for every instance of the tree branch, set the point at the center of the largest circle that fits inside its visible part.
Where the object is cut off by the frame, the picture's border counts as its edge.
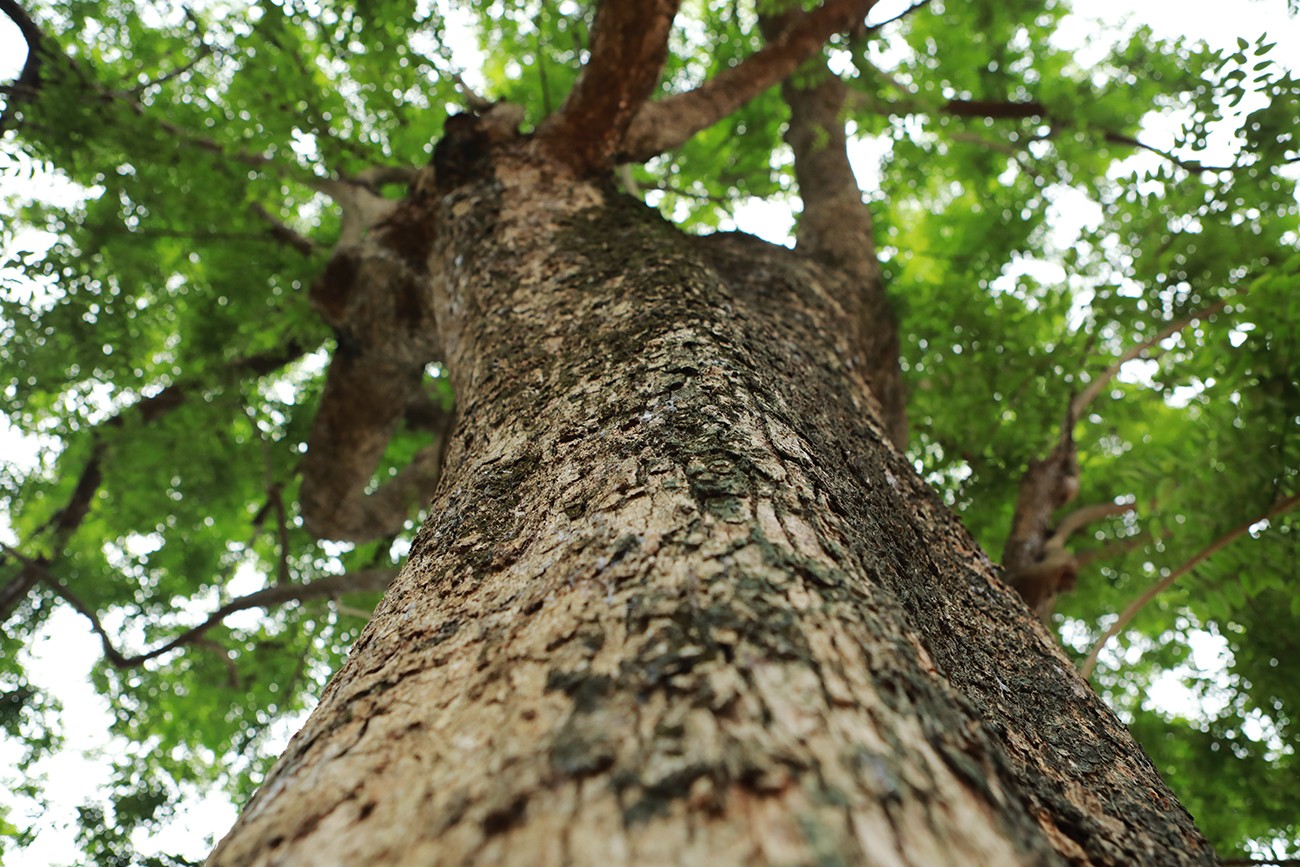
(835, 225)
(367, 580)
(1085, 397)
(664, 125)
(66, 521)
(900, 16)
(1082, 517)
(629, 44)
(1025, 110)
(365, 398)
(28, 81)
(282, 233)
(204, 51)
(1127, 615)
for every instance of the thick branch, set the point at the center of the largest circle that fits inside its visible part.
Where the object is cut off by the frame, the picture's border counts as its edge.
(366, 581)
(364, 400)
(629, 44)
(1127, 615)
(835, 225)
(664, 125)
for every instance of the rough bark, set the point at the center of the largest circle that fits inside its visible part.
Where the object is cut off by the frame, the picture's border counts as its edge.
(835, 226)
(679, 600)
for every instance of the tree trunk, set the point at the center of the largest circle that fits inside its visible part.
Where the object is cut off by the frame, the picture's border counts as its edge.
(679, 601)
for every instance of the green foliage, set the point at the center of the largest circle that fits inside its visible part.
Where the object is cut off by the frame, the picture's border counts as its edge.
(155, 331)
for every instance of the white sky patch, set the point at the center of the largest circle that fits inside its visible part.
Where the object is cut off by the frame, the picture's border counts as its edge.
(59, 661)
(771, 221)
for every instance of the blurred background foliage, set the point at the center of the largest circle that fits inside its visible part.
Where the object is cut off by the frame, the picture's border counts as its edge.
(1043, 205)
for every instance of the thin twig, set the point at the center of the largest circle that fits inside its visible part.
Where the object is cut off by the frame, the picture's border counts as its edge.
(367, 580)
(1154, 590)
(1085, 397)
(202, 54)
(1085, 515)
(901, 15)
(1114, 549)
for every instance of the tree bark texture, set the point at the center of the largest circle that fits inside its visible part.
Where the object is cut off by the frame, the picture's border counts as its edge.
(679, 600)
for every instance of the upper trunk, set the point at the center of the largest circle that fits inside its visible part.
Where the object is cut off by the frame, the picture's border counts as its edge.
(679, 600)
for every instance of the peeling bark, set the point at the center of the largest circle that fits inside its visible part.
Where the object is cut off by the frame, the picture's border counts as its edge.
(679, 601)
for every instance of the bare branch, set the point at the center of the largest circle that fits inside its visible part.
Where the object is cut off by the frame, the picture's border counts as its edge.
(1114, 549)
(1082, 517)
(664, 125)
(629, 44)
(1131, 611)
(1085, 397)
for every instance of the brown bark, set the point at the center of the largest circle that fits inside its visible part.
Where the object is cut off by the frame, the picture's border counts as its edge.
(373, 293)
(679, 601)
(835, 225)
(664, 125)
(628, 48)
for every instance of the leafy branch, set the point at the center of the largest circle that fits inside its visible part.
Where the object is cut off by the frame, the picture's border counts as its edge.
(1089, 394)
(915, 102)
(365, 581)
(1036, 559)
(1127, 615)
(67, 520)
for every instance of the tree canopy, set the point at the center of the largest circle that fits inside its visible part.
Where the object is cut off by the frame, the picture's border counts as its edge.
(1091, 248)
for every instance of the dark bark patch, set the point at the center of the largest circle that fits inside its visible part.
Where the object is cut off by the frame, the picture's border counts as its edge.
(587, 690)
(655, 798)
(503, 818)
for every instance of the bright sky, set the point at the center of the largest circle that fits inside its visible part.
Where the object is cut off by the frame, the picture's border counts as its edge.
(63, 658)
